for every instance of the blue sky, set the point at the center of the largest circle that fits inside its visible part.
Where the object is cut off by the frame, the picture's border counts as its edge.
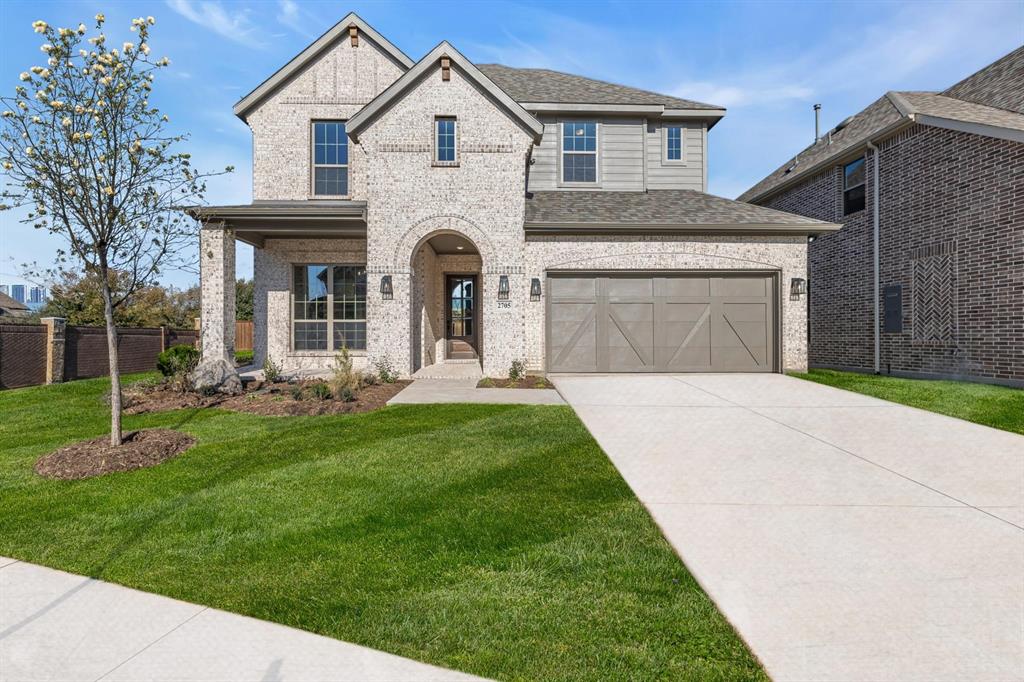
(767, 62)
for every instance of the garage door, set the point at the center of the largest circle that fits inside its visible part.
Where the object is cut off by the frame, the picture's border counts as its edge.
(647, 322)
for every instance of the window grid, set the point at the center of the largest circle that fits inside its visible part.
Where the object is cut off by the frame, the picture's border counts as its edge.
(330, 158)
(674, 143)
(329, 297)
(444, 140)
(579, 151)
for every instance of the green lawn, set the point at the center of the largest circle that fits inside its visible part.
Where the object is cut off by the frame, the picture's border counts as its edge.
(996, 406)
(497, 540)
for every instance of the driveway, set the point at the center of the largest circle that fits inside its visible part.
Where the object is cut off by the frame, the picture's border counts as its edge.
(845, 537)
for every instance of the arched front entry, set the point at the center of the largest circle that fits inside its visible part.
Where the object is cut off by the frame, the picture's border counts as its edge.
(447, 321)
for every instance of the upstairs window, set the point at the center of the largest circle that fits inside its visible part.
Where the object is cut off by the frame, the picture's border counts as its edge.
(330, 159)
(579, 151)
(853, 187)
(328, 307)
(444, 140)
(673, 143)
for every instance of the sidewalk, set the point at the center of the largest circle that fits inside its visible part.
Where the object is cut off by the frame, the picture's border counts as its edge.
(56, 626)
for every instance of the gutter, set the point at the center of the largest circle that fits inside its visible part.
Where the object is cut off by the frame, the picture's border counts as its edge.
(540, 228)
(875, 202)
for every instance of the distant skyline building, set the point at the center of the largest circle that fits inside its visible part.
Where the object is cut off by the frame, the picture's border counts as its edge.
(18, 292)
(37, 295)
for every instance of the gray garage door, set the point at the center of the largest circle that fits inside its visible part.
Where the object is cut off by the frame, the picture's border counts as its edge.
(647, 322)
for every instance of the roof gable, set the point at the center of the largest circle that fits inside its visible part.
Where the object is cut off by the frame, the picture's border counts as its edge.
(313, 51)
(407, 81)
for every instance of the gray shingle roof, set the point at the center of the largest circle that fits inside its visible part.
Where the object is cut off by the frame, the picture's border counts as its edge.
(544, 85)
(989, 97)
(664, 208)
(10, 306)
(1000, 85)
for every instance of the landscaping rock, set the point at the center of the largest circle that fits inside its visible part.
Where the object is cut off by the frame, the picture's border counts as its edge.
(217, 375)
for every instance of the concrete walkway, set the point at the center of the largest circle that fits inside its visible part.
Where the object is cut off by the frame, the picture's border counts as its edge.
(423, 391)
(846, 538)
(59, 627)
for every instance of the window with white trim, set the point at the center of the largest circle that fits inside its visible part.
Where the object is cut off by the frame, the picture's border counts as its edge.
(329, 307)
(579, 151)
(445, 146)
(674, 144)
(330, 159)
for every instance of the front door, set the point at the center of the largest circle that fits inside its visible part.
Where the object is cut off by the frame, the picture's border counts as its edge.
(461, 319)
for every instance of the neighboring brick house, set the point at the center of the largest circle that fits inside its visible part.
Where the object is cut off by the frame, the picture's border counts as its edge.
(950, 202)
(444, 212)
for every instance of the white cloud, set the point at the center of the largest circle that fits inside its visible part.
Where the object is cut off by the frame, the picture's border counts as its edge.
(737, 95)
(297, 19)
(211, 15)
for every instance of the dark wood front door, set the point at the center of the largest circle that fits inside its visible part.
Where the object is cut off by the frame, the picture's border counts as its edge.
(461, 319)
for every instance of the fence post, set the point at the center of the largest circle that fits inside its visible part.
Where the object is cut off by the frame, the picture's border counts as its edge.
(163, 338)
(56, 328)
(197, 323)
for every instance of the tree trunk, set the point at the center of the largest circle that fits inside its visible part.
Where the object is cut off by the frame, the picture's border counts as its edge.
(115, 372)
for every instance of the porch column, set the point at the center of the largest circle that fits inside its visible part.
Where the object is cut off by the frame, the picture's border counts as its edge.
(217, 282)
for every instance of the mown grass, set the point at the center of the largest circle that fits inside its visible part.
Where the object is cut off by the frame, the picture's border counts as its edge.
(497, 540)
(996, 406)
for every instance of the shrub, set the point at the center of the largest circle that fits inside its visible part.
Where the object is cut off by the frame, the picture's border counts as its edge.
(343, 376)
(347, 395)
(386, 369)
(271, 372)
(177, 360)
(517, 371)
(321, 391)
(243, 357)
(486, 382)
(370, 379)
(297, 393)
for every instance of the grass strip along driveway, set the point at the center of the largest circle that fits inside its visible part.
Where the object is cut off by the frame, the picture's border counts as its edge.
(997, 406)
(494, 539)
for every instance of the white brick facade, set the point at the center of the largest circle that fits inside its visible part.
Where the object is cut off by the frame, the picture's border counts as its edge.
(410, 199)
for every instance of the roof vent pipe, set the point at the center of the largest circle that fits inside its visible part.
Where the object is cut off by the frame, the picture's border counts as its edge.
(817, 122)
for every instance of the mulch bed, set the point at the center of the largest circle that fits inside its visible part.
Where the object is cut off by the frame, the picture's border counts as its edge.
(96, 457)
(505, 382)
(274, 399)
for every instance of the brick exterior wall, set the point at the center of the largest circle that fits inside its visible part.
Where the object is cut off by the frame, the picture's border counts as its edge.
(410, 199)
(334, 87)
(952, 235)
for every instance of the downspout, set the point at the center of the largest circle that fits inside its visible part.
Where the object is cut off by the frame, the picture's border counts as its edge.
(875, 240)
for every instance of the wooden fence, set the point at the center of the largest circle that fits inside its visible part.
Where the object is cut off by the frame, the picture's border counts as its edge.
(243, 334)
(24, 349)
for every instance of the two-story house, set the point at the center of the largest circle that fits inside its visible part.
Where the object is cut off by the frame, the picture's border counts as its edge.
(443, 211)
(926, 278)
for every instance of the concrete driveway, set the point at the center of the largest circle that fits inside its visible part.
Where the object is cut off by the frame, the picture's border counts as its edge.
(845, 537)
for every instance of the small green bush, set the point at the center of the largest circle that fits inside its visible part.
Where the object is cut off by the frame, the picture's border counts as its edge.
(347, 395)
(486, 382)
(271, 372)
(321, 391)
(343, 377)
(517, 371)
(243, 357)
(177, 360)
(386, 370)
(297, 393)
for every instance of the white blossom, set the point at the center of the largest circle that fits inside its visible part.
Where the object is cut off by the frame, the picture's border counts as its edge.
(150, 20)
(66, 122)
(144, 48)
(100, 18)
(39, 26)
(127, 47)
(46, 48)
(30, 151)
(25, 75)
(8, 113)
(81, 29)
(108, 190)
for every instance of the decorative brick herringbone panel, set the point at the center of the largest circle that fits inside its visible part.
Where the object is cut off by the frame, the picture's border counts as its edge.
(934, 298)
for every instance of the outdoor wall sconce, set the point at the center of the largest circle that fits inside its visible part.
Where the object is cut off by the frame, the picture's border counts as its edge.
(797, 287)
(387, 291)
(503, 288)
(535, 289)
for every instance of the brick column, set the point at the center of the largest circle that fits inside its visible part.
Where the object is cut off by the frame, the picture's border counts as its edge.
(55, 338)
(217, 283)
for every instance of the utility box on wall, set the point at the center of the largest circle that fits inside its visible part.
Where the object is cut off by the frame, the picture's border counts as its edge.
(893, 320)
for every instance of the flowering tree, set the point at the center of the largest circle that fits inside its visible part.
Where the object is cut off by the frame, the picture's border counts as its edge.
(92, 162)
